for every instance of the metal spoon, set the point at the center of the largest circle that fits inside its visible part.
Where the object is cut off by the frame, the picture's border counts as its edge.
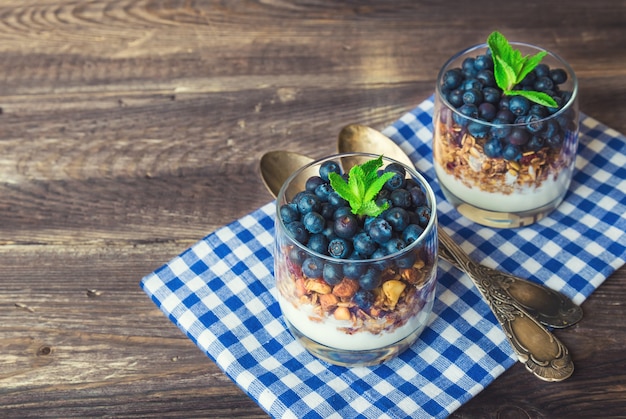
(548, 306)
(542, 353)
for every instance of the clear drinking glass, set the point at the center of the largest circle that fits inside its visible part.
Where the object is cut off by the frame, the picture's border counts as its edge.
(513, 170)
(348, 321)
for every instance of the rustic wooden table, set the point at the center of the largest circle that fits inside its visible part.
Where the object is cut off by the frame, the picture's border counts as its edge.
(131, 129)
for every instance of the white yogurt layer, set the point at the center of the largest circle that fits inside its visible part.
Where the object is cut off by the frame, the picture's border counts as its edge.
(329, 331)
(523, 199)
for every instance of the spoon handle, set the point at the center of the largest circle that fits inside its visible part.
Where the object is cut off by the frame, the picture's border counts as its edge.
(550, 307)
(542, 353)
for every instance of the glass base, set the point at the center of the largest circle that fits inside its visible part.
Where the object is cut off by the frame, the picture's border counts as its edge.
(347, 358)
(499, 219)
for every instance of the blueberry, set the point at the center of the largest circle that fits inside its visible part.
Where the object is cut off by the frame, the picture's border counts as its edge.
(318, 243)
(486, 78)
(341, 211)
(491, 95)
(473, 97)
(500, 131)
(312, 183)
(354, 270)
(339, 248)
(329, 230)
(406, 260)
(397, 217)
(346, 226)
(493, 148)
(364, 299)
(452, 78)
(332, 273)
(558, 76)
(468, 67)
(478, 129)
(504, 102)
(465, 110)
(552, 128)
(336, 200)
(511, 152)
(541, 70)
(297, 230)
(411, 233)
(471, 83)
(314, 222)
(505, 116)
(327, 211)
(401, 198)
(483, 62)
(518, 137)
(289, 213)
(371, 279)
(519, 105)
(544, 84)
(312, 267)
(327, 167)
(380, 230)
(455, 97)
(536, 143)
(418, 197)
(539, 110)
(555, 141)
(396, 181)
(308, 202)
(487, 111)
(394, 245)
(364, 244)
(534, 123)
(323, 191)
(423, 213)
(396, 168)
(297, 255)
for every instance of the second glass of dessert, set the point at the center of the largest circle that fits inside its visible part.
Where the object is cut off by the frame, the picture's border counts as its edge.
(356, 275)
(502, 159)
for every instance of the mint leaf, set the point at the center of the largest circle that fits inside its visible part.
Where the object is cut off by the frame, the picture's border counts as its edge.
(362, 187)
(356, 182)
(537, 97)
(372, 209)
(529, 64)
(510, 68)
(503, 73)
(376, 186)
(340, 186)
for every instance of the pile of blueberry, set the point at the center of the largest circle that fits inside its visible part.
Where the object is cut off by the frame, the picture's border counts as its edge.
(472, 90)
(323, 222)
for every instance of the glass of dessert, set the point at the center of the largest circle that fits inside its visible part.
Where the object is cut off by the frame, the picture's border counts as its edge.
(505, 135)
(356, 257)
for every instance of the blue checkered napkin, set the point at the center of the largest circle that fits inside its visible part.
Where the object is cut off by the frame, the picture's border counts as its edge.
(221, 293)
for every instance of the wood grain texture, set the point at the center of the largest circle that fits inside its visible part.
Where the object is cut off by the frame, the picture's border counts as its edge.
(121, 121)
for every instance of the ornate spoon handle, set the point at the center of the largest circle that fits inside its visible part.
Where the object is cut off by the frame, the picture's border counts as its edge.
(542, 353)
(550, 307)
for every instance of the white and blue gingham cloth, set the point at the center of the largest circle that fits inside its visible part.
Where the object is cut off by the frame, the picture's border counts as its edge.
(221, 294)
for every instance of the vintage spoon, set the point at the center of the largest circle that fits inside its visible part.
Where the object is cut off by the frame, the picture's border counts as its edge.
(542, 353)
(548, 306)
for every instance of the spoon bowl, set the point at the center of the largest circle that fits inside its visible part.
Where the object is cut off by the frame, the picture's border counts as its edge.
(277, 166)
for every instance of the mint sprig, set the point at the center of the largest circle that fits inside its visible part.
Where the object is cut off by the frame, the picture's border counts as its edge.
(510, 68)
(362, 187)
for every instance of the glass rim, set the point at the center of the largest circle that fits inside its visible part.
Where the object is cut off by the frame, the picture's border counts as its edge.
(570, 71)
(432, 223)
